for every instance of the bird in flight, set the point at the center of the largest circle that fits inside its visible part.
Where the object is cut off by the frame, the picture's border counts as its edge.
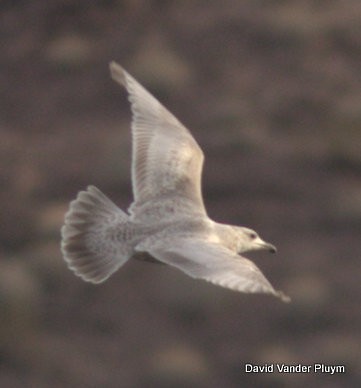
(167, 221)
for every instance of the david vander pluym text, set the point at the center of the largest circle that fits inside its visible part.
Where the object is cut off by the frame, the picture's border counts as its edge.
(295, 368)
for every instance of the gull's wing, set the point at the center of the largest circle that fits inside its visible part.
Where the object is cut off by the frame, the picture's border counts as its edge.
(214, 263)
(167, 161)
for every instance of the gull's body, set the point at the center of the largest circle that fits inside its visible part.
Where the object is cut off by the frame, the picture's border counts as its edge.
(167, 222)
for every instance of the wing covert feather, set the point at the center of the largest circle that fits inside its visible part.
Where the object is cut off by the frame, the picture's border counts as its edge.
(166, 159)
(213, 263)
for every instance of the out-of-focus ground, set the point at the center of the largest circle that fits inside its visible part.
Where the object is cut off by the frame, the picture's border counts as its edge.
(272, 92)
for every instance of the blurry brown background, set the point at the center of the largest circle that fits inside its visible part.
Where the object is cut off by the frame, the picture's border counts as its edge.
(271, 90)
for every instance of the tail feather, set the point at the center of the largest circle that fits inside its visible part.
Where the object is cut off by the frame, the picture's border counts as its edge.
(94, 241)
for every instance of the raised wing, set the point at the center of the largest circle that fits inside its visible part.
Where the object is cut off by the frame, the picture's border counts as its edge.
(167, 161)
(214, 263)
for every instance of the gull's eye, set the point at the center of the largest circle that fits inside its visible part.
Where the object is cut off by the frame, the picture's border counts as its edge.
(252, 236)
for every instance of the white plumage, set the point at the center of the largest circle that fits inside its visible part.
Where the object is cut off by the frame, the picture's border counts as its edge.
(167, 222)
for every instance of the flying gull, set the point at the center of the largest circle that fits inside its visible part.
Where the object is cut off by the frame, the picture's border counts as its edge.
(167, 221)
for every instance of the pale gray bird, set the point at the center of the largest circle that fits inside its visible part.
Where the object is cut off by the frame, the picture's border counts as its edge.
(167, 222)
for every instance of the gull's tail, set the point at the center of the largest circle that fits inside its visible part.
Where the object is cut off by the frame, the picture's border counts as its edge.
(95, 236)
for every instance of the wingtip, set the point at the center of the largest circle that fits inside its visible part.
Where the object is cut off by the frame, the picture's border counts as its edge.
(284, 298)
(117, 73)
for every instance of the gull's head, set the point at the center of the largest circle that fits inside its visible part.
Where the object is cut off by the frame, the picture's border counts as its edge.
(249, 240)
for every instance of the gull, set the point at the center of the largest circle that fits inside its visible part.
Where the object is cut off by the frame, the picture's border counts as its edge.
(167, 221)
